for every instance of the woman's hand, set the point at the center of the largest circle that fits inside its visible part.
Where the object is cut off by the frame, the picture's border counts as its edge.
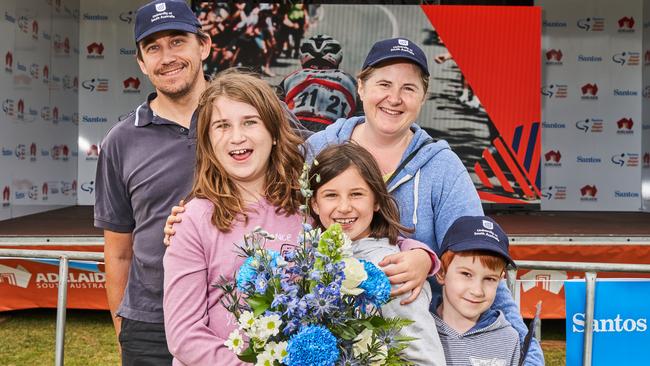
(172, 219)
(410, 269)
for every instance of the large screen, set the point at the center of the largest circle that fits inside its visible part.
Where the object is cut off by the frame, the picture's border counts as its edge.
(483, 95)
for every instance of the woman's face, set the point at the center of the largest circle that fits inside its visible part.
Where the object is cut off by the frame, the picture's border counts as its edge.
(392, 98)
(240, 141)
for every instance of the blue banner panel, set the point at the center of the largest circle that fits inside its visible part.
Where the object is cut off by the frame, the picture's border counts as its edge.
(621, 335)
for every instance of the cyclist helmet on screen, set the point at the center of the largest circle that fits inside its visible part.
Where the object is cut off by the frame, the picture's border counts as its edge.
(320, 52)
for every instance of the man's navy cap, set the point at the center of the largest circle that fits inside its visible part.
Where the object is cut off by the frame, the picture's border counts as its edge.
(396, 48)
(159, 16)
(477, 233)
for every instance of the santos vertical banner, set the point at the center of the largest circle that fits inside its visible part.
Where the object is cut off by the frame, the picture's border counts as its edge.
(621, 334)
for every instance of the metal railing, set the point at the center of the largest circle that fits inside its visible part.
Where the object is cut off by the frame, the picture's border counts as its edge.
(590, 270)
(62, 297)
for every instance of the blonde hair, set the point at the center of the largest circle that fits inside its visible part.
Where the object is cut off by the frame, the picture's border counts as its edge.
(212, 182)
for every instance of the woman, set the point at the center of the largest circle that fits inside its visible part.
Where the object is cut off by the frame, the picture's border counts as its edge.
(429, 182)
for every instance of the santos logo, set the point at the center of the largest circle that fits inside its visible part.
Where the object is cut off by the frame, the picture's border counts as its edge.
(617, 324)
(583, 58)
(554, 24)
(588, 159)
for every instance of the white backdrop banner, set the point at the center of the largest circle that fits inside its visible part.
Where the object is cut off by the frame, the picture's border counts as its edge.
(38, 133)
(591, 105)
(112, 84)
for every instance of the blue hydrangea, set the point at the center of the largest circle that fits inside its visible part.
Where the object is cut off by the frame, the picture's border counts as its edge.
(377, 286)
(314, 345)
(247, 275)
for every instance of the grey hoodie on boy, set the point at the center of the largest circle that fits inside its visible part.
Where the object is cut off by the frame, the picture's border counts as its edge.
(491, 342)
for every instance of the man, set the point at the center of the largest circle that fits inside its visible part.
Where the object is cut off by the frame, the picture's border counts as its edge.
(320, 92)
(146, 164)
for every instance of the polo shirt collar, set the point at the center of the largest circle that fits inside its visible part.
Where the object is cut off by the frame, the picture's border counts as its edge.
(144, 114)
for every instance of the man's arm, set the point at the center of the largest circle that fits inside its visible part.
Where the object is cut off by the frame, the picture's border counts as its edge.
(118, 251)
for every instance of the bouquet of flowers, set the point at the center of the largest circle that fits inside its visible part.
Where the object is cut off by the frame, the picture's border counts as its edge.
(313, 304)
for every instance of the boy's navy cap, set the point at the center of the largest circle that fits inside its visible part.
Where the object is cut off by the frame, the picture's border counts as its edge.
(159, 16)
(477, 233)
(395, 48)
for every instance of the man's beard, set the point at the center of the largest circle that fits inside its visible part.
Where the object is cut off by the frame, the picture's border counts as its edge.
(180, 89)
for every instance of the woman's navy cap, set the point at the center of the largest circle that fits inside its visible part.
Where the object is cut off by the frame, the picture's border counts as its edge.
(395, 48)
(159, 16)
(477, 233)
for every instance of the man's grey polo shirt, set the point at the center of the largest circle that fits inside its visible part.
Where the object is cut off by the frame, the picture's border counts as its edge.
(146, 165)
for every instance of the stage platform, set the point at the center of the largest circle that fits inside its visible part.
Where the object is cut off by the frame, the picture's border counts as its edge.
(610, 237)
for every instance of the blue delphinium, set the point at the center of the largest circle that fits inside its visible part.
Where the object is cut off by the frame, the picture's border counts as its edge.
(313, 345)
(377, 286)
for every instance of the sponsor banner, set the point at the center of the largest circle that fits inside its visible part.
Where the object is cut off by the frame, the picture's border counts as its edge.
(39, 105)
(110, 81)
(591, 134)
(34, 283)
(620, 322)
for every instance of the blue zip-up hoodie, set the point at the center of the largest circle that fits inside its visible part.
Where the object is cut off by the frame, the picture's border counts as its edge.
(432, 191)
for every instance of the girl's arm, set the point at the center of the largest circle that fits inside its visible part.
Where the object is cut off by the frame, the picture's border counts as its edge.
(410, 268)
(185, 300)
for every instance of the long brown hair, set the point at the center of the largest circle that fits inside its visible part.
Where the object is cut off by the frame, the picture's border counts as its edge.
(212, 182)
(334, 160)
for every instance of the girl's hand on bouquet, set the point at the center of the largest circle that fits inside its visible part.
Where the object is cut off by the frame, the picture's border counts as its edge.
(172, 219)
(409, 269)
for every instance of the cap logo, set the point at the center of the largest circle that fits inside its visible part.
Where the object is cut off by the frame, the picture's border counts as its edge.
(161, 7)
(403, 42)
(488, 225)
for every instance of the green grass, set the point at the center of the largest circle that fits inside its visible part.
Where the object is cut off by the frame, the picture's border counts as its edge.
(27, 338)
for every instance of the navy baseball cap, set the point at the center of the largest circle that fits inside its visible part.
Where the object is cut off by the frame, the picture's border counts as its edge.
(396, 48)
(158, 16)
(477, 233)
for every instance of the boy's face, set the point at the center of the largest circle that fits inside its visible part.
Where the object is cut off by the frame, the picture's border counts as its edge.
(469, 289)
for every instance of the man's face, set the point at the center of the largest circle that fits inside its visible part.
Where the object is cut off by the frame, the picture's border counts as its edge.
(173, 61)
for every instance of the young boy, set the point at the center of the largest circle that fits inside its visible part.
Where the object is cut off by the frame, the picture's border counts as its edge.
(474, 258)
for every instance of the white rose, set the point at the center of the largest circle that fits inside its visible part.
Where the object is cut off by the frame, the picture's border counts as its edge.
(361, 344)
(355, 274)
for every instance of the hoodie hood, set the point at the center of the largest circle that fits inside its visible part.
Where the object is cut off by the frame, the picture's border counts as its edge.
(364, 248)
(490, 320)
